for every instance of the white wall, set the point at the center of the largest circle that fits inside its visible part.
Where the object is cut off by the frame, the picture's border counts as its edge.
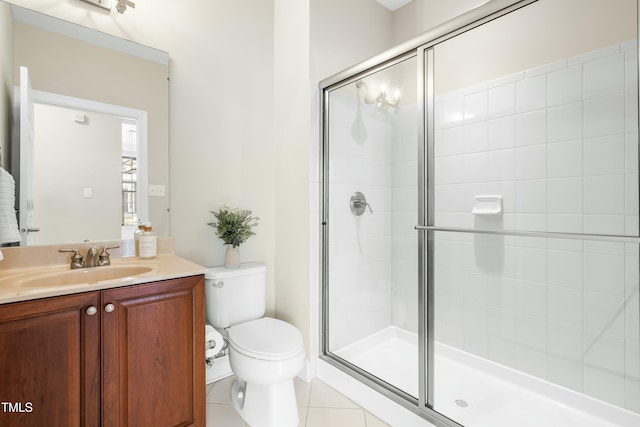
(222, 139)
(419, 16)
(292, 119)
(222, 125)
(345, 33)
(60, 180)
(6, 81)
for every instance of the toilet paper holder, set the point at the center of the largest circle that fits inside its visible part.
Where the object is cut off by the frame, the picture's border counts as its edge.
(215, 344)
(211, 348)
(211, 344)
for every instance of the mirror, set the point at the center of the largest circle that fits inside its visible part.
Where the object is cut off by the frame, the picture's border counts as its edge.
(70, 62)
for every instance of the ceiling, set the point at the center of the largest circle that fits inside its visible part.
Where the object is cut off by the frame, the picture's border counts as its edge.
(393, 4)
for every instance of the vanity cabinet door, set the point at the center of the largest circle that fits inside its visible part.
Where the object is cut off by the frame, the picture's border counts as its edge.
(153, 354)
(50, 362)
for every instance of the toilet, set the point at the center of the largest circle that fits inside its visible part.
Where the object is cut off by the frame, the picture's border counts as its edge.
(265, 354)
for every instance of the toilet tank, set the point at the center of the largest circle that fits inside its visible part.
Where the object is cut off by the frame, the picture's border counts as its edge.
(235, 295)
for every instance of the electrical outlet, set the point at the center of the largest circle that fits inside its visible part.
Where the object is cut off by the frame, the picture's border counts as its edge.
(156, 190)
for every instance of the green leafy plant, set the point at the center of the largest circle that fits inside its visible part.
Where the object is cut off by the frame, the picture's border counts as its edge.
(233, 225)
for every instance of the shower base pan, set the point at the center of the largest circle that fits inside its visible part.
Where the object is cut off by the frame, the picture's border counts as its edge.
(477, 392)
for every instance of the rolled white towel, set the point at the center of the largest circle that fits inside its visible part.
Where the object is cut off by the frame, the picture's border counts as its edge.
(9, 232)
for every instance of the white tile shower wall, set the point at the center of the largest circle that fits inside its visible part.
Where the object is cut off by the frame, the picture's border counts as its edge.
(560, 144)
(359, 246)
(373, 257)
(404, 217)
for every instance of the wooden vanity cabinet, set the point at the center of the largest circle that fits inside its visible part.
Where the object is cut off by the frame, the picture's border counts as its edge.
(137, 361)
(50, 362)
(153, 354)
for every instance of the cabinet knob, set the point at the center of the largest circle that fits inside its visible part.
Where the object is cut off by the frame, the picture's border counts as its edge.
(92, 310)
(109, 308)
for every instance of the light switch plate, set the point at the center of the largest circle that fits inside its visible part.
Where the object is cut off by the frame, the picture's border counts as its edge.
(105, 4)
(156, 190)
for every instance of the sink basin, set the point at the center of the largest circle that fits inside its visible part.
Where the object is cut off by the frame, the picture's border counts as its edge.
(83, 276)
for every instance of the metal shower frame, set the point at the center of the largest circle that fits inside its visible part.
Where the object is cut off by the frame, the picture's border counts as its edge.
(421, 48)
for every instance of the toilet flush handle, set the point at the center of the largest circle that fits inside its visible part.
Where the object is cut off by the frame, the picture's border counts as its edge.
(217, 284)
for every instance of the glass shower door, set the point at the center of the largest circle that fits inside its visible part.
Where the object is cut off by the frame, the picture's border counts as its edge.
(534, 220)
(371, 304)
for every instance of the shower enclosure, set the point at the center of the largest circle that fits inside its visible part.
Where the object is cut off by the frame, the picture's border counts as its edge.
(480, 248)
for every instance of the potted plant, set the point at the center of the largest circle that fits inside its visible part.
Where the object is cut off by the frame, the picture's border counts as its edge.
(234, 227)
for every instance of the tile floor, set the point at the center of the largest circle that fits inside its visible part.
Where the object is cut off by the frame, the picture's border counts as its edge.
(318, 405)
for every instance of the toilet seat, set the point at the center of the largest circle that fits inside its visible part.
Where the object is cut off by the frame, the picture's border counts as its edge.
(266, 339)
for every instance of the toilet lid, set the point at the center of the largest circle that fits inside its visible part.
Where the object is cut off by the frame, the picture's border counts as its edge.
(266, 338)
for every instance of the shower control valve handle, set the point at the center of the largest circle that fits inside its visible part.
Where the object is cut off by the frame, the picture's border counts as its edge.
(369, 206)
(358, 203)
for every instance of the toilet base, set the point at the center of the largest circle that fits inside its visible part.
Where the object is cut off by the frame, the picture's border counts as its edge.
(266, 405)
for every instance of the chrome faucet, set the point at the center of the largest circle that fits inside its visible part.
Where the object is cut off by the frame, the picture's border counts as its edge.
(92, 259)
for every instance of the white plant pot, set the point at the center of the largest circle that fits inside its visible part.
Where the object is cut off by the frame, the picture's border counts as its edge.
(232, 257)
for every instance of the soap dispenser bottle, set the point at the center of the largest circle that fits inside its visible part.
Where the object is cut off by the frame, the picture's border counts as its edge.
(136, 238)
(148, 243)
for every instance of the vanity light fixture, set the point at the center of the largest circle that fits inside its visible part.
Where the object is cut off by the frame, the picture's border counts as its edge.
(105, 4)
(121, 5)
(382, 96)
